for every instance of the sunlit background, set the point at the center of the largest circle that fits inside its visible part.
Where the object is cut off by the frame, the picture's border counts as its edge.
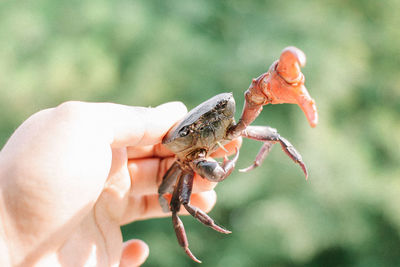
(150, 52)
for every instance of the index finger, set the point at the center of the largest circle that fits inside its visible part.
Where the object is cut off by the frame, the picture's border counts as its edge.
(138, 126)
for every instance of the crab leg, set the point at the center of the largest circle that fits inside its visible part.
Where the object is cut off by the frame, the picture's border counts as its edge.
(212, 170)
(181, 235)
(262, 154)
(167, 184)
(176, 221)
(270, 136)
(201, 216)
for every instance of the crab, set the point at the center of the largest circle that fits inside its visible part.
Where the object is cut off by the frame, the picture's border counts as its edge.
(211, 125)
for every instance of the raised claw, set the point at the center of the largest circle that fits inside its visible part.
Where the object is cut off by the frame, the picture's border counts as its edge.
(283, 83)
(286, 83)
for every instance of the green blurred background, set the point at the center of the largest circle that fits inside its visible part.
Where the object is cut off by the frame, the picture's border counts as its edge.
(149, 52)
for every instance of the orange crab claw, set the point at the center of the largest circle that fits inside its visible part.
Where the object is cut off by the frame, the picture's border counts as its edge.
(286, 83)
(283, 83)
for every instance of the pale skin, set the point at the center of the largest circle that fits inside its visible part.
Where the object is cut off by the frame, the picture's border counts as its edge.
(70, 176)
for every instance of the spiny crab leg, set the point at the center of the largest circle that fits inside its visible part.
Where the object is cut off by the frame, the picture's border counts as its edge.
(202, 217)
(175, 206)
(283, 83)
(181, 235)
(181, 196)
(262, 154)
(270, 136)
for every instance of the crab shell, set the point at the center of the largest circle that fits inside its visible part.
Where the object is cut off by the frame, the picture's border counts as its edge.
(202, 127)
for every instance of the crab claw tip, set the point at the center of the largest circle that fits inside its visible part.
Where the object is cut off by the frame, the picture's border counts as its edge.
(313, 122)
(304, 168)
(190, 254)
(222, 230)
(295, 52)
(307, 104)
(248, 168)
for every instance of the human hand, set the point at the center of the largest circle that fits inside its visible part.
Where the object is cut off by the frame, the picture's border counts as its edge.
(71, 176)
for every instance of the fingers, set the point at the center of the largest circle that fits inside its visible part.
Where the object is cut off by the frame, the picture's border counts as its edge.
(147, 174)
(134, 253)
(146, 207)
(157, 150)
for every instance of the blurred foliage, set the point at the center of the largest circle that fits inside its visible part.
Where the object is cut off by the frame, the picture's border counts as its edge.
(149, 52)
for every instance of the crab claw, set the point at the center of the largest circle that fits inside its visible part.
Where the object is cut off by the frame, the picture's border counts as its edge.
(283, 83)
(287, 83)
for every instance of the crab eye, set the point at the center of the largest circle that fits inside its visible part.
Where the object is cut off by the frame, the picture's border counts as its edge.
(184, 131)
(221, 105)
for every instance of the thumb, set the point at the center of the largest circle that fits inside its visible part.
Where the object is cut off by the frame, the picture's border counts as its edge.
(138, 126)
(134, 253)
(123, 126)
